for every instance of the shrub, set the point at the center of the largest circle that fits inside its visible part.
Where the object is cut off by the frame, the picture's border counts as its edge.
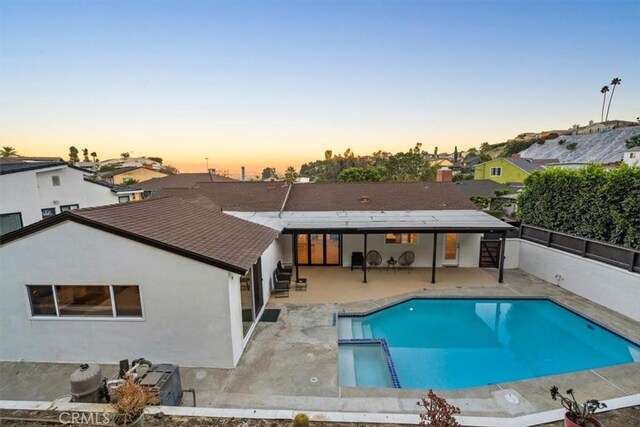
(130, 401)
(572, 146)
(633, 141)
(562, 141)
(590, 202)
(301, 420)
(438, 413)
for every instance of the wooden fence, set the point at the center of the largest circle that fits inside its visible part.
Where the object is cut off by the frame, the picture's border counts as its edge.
(618, 256)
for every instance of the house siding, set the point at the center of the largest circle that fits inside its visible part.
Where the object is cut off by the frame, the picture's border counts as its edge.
(510, 172)
(191, 311)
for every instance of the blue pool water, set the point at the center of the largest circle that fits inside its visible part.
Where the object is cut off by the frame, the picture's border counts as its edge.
(456, 343)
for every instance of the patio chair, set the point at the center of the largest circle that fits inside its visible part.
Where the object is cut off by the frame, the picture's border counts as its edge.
(280, 287)
(374, 259)
(285, 267)
(406, 260)
(283, 273)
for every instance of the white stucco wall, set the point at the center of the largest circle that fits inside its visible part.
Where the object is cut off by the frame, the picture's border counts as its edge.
(192, 313)
(610, 286)
(512, 253)
(468, 255)
(31, 191)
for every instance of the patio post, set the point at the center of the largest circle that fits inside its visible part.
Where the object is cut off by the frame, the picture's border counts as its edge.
(364, 267)
(433, 261)
(294, 248)
(503, 243)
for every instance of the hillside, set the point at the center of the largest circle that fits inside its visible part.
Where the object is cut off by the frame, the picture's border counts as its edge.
(602, 147)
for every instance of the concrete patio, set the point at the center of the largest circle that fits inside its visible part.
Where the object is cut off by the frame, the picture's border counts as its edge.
(292, 363)
(343, 285)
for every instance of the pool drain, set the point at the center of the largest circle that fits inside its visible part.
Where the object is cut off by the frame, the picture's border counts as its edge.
(314, 379)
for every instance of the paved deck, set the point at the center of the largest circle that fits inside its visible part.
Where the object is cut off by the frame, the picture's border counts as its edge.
(292, 364)
(342, 285)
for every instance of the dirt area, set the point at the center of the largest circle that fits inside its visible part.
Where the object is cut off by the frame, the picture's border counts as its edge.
(627, 417)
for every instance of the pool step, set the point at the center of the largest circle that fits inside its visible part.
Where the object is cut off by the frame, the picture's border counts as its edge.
(357, 329)
(347, 367)
(345, 329)
(366, 331)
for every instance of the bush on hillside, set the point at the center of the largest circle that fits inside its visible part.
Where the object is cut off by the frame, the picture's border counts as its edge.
(590, 202)
(514, 147)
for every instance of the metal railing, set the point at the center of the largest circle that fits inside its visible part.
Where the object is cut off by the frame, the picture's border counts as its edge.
(607, 253)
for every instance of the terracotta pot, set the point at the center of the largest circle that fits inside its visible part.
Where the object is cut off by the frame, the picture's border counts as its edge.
(591, 422)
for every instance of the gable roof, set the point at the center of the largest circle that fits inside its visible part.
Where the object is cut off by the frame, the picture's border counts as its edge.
(388, 196)
(181, 180)
(481, 187)
(15, 167)
(600, 147)
(177, 225)
(530, 165)
(256, 196)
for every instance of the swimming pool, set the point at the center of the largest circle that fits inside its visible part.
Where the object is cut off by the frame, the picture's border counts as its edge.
(450, 344)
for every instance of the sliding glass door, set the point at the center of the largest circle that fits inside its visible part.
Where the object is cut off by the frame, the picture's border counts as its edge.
(318, 249)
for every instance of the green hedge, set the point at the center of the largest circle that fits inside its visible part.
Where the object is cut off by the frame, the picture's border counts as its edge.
(589, 202)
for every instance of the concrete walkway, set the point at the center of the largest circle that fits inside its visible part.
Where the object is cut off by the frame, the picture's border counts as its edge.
(292, 364)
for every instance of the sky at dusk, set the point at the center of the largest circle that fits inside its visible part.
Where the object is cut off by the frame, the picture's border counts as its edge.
(276, 83)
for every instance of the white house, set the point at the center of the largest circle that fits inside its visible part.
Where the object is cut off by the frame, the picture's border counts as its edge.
(31, 191)
(184, 277)
(632, 156)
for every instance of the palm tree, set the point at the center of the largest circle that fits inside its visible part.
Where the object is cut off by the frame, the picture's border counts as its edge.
(604, 91)
(614, 82)
(8, 151)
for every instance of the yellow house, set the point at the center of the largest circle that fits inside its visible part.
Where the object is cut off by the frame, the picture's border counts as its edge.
(139, 174)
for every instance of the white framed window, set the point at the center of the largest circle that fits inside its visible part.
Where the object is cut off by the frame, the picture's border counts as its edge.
(55, 180)
(401, 238)
(496, 172)
(123, 199)
(85, 301)
(65, 208)
(10, 222)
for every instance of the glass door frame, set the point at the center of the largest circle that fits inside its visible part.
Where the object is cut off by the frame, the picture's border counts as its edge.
(324, 249)
(450, 262)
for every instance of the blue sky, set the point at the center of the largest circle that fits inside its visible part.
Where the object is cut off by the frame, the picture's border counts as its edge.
(278, 82)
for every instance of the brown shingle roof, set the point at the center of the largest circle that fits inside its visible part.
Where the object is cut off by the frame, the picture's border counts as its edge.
(375, 196)
(239, 196)
(181, 180)
(180, 225)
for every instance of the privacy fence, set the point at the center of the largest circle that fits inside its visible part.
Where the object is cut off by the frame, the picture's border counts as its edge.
(607, 253)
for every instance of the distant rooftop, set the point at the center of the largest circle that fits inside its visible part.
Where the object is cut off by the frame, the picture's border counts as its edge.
(181, 180)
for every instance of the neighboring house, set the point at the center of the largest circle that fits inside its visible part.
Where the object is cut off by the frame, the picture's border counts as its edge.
(603, 127)
(509, 170)
(132, 162)
(606, 148)
(162, 277)
(137, 173)
(441, 162)
(632, 156)
(89, 166)
(180, 180)
(31, 191)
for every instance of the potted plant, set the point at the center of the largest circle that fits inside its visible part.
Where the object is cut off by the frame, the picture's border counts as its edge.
(578, 415)
(129, 403)
(438, 413)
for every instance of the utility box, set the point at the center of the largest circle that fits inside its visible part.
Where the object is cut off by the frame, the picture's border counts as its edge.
(164, 380)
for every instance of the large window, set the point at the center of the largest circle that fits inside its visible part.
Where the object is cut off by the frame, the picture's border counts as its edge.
(401, 238)
(496, 171)
(10, 222)
(85, 301)
(48, 212)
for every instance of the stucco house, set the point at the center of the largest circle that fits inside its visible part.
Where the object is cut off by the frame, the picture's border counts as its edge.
(509, 169)
(137, 173)
(632, 156)
(33, 190)
(184, 277)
